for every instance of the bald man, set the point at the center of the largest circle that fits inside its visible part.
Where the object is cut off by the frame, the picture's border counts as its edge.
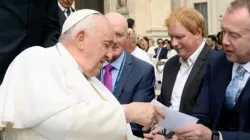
(127, 77)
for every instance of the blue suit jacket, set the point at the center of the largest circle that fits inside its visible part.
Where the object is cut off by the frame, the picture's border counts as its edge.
(212, 98)
(136, 84)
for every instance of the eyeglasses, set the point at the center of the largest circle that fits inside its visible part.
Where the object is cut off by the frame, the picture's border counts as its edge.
(160, 42)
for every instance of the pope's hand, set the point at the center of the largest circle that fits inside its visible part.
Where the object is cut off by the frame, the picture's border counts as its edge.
(155, 134)
(144, 114)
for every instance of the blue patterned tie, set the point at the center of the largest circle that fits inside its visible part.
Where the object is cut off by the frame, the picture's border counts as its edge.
(234, 88)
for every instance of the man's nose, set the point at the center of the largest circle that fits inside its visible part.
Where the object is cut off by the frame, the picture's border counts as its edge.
(109, 55)
(174, 43)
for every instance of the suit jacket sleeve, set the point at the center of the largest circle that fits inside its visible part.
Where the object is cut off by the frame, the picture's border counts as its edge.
(51, 27)
(201, 109)
(145, 90)
(226, 135)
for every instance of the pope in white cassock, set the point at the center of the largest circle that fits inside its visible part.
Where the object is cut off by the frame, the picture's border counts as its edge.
(52, 93)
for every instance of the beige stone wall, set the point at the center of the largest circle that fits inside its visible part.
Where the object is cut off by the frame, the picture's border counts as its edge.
(148, 14)
(216, 9)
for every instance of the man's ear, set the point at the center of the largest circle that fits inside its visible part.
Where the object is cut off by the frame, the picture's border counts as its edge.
(80, 39)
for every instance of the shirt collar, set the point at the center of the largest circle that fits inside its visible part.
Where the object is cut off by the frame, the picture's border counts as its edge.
(117, 63)
(191, 60)
(246, 66)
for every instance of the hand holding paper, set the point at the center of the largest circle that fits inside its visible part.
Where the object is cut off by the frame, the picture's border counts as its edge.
(174, 119)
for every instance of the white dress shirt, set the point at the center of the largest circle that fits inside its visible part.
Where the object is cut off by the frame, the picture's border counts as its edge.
(182, 76)
(141, 54)
(64, 9)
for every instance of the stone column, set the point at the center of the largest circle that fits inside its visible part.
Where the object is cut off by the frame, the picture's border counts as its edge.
(150, 16)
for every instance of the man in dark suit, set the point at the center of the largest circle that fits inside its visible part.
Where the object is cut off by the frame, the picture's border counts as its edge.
(64, 10)
(192, 86)
(212, 42)
(160, 52)
(25, 24)
(183, 74)
(127, 77)
(223, 108)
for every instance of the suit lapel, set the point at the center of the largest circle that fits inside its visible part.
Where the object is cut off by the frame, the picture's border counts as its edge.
(99, 75)
(195, 70)
(170, 79)
(242, 104)
(124, 75)
(62, 17)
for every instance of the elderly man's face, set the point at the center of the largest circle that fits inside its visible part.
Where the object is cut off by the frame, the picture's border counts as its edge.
(236, 35)
(182, 40)
(121, 38)
(97, 47)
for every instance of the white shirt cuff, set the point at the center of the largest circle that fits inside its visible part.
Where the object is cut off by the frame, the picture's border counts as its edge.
(220, 136)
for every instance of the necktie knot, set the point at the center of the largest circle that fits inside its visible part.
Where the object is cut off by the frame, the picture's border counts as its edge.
(68, 11)
(108, 77)
(240, 71)
(109, 68)
(235, 87)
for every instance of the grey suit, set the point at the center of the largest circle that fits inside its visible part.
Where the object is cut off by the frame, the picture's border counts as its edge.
(192, 86)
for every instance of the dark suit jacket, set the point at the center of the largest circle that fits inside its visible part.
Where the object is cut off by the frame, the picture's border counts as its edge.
(193, 84)
(216, 47)
(163, 54)
(212, 98)
(26, 23)
(62, 17)
(136, 84)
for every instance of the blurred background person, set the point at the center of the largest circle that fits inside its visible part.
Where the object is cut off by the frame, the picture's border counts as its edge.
(151, 50)
(160, 51)
(144, 43)
(64, 10)
(133, 49)
(131, 23)
(171, 51)
(167, 43)
(212, 42)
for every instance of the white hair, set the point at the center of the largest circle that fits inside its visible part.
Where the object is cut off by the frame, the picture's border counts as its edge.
(87, 24)
(131, 33)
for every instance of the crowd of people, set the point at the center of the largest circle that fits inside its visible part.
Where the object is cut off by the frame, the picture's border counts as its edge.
(78, 74)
